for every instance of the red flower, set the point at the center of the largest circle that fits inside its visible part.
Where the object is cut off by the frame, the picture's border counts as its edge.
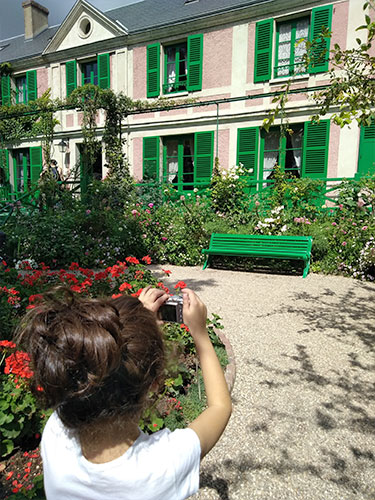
(167, 271)
(163, 287)
(132, 260)
(125, 286)
(180, 284)
(184, 327)
(18, 364)
(10, 474)
(76, 288)
(4, 263)
(73, 266)
(7, 343)
(137, 294)
(116, 295)
(33, 298)
(147, 259)
(31, 306)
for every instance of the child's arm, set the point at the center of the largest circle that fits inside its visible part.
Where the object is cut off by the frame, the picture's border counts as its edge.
(211, 423)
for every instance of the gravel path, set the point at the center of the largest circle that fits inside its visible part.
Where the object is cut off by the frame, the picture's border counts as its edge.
(303, 422)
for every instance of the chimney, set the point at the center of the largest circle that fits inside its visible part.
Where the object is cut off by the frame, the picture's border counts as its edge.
(36, 18)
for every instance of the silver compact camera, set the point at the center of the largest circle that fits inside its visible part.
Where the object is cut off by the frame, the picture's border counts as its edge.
(171, 310)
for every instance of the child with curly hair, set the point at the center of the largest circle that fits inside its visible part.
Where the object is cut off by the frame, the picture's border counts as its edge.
(97, 361)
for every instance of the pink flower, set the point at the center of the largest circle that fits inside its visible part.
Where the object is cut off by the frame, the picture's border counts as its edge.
(364, 228)
(341, 206)
(360, 203)
(257, 203)
(164, 238)
(88, 212)
(135, 212)
(150, 205)
(334, 223)
(344, 243)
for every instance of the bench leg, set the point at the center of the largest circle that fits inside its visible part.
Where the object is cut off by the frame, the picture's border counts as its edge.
(206, 262)
(307, 267)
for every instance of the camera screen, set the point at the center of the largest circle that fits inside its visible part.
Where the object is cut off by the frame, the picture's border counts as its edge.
(168, 313)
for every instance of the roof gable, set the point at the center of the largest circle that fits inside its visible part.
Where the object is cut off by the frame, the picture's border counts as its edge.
(84, 25)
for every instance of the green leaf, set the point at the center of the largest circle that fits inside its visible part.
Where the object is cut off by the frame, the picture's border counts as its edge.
(6, 447)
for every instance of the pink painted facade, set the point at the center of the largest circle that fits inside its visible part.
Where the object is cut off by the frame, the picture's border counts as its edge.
(250, 57)
(136, 145)
(42, 80)
(224, 147)
(333, 151)
(217, 58)
(139, 72)
(69, 120)
(340, 13)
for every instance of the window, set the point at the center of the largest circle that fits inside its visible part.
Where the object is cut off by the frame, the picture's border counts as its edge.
(301, 153)
(182, 66)
(27, 167)
(96, 72)
(186, 160)
(178, 161)
(175, 63)
(21, 89)
(286, 52)
(90, 72)
(291, 47)
(285, 151)
(25, 88)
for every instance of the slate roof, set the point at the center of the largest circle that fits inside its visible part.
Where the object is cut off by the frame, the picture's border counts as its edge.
(136, 17)
(154, 13)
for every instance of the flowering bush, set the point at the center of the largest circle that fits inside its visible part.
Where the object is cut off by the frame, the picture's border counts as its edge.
(227, 192)
(20, 418)
(275, 224)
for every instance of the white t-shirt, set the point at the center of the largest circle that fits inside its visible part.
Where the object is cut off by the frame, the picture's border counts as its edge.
(160, 466)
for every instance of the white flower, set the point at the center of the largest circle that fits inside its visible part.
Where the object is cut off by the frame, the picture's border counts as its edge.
(284, 228)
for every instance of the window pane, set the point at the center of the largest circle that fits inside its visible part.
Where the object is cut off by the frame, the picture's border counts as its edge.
(285, 32)
(21, 89)
(188, 163)
(271, 153)
(172, 160)
(90, 72)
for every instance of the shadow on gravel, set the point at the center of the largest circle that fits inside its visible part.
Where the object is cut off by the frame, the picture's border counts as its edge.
(343, 420)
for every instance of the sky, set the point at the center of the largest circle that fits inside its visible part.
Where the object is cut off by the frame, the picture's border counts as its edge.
(11, 13)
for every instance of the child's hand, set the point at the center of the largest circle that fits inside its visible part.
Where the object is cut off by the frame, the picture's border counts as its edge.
(194, 312)
(153, 298)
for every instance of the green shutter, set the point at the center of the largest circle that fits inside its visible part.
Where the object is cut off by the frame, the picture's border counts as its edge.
(366, 161)
(194, 62)
(4, 164)
(247, 149)
(31, 84)
(103, 71)
(5, 90)
(263, 50)
(320, 17)
(36, 165)
(203, 156)
(151, 158)
(71, 77)
(315, 149)
(153, 70)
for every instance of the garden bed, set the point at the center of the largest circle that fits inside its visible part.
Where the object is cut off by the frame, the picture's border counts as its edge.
(21, 420)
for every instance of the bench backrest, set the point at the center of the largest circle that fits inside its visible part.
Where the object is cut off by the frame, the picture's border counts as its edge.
(264, 242)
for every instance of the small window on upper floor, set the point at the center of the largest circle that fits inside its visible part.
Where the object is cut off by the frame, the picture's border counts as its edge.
(90, 72)
(183, 66)
(284, 54)
(291, 37)
(96, 72)
(175, 68)
(21, 89)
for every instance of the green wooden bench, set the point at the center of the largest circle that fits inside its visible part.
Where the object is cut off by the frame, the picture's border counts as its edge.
(273, 247)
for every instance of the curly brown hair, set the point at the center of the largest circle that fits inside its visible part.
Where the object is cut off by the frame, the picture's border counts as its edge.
(95, 359)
